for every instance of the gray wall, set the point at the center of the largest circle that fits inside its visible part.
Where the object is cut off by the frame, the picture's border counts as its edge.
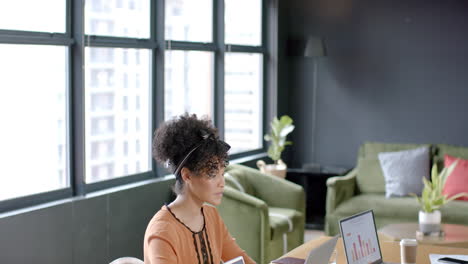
(93, 229)
(396, 71)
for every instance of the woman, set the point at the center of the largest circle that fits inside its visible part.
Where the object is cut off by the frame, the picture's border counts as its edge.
(188, 231)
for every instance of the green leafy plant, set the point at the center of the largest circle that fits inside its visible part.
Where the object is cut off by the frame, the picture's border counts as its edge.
(279, 130)
(432, 197)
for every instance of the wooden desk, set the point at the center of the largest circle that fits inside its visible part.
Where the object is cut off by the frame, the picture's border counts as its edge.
(390, 250)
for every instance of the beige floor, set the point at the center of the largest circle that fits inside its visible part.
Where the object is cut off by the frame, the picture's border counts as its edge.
(312, 234)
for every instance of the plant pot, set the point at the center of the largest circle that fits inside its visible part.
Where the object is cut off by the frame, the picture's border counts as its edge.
(429, 222)
(278, 170)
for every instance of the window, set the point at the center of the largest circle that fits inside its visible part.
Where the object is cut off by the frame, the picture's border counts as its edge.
(33, 125)
(137, 124)
(243, 101)
(125, 103)
(125, 125)
(243, 81)
(243, 25)
(137, 102)
(101, 102)
(137, 146)
(189, 83)
(101, 149)
(125, 148)
(110, 18)
(90, 88)
(101, 172)
(45, 16)
(189, 20)
(102, 127)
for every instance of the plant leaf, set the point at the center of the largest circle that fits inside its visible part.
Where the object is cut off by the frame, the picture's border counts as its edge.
(432, 197)
(456, 196)
(280, 128)
(448, 171)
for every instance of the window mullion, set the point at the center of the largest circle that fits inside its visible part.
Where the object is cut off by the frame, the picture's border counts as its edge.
(218, 38)
(76, 102)
(119, 42)
(158, 74)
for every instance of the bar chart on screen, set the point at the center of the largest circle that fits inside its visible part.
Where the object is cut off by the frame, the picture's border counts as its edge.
(361, 240)
(362, 248)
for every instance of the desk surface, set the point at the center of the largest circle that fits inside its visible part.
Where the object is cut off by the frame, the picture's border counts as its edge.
(390, 250)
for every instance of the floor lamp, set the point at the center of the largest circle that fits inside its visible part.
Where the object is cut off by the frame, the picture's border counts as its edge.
(315, 48)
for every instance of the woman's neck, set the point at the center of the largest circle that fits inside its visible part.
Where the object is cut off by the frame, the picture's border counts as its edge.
(187, 205)
(189, 212)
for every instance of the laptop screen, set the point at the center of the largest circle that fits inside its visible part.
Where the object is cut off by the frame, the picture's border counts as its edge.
(360, 239)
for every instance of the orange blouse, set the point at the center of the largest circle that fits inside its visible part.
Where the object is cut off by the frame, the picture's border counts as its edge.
(172, 242)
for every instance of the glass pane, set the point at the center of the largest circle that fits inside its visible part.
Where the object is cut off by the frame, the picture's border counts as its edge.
(243, 101)
(189, 20)
(188, 83)
(243, 25)
(33, 111)
(118, 18)
(45, 15)
(117, 112)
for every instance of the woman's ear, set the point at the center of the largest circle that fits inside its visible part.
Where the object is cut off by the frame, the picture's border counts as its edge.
(186, 174)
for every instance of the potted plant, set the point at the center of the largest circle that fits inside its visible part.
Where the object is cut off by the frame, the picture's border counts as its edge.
(432, 199)
(279, 130)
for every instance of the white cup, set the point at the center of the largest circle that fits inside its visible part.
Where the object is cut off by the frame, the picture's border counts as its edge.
(408, 250)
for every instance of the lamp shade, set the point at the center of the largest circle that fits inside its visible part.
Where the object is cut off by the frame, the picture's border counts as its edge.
(315, 47)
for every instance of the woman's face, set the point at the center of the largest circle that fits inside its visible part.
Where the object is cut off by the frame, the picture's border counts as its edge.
(207, 188)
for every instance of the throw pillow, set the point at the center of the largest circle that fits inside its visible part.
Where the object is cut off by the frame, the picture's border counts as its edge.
(404, 171)
(457, 182)
(370, 178)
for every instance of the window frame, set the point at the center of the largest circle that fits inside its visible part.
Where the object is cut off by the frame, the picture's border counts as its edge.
(76, 41)
(269, 99)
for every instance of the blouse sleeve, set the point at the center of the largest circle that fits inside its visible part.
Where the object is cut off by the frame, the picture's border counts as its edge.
(160, 251)
(230, 248)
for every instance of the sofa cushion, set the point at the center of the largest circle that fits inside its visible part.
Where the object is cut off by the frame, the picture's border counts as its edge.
(404, 171)
(455, 212)
(396, 207)
(283, 220)
(400, 208)
(457, 181)
(444, 149)
(370, 177)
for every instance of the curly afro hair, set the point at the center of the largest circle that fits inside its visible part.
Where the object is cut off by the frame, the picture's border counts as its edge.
(175, 138)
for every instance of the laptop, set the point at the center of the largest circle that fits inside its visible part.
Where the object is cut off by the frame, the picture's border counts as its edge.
(322, 253)
(318, 255)
(361, 244)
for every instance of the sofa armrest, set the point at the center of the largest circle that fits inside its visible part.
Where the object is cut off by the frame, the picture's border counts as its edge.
(246, 218)
(340, 189)
(269, 188)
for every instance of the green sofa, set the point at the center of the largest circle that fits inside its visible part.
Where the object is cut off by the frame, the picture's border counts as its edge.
(363, 188)
(265, 214)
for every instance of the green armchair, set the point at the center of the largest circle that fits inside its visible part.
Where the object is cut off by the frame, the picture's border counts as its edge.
(265, 214)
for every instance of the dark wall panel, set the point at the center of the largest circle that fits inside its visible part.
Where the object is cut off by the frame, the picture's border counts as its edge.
(37, 237)
(90, 232)
(97, 228)
(395, 71)
(130, 212)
